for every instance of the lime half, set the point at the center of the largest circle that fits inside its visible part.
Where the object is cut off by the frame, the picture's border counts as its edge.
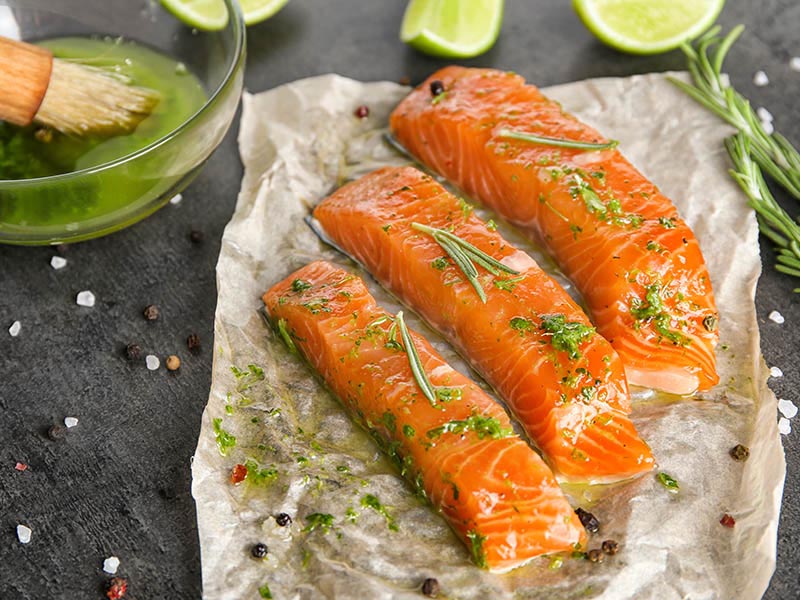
(452, 28)
(211, 15)
(647, 26)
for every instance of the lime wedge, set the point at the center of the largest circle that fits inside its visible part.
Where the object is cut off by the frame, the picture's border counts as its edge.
(256, 11)
(452, 28)
(647, 26)
(211, 15)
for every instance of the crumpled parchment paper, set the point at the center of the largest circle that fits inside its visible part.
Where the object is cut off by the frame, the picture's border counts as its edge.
(298, 142)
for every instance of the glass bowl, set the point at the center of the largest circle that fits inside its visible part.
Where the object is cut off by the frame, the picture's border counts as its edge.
(100, 200)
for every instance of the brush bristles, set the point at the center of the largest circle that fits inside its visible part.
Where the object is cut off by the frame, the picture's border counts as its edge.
(83, 100)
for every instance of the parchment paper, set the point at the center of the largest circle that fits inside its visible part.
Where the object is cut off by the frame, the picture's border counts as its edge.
(298, 142)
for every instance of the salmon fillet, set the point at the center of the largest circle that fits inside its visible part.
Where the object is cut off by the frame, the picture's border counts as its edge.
(459, 451)
(612, 232)
(529, 340)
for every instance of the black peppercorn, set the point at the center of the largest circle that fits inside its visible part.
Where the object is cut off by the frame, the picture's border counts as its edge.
(610, 547)
(150, 312)
(193, 343)
(437, 87)
(740, 452)
(588, 520)
(430, 587)
(362, 112)
(283, 519)
(595, 555)
(259, 550)
(196, 236)
(133, 352)
(57, 433)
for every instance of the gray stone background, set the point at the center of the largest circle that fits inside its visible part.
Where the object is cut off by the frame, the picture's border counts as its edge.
(120, 482)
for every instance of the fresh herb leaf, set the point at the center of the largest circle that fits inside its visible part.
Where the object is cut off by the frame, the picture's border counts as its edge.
(483, 426)
(321, 521)
(265, 592)
(225, 440)
(557, 142)
(257, 475)
(668, 482)
(283, 330)
(476, 541)
(508, 285)
(521, 324)
(371, 501)
(298, 285)
(414, 361)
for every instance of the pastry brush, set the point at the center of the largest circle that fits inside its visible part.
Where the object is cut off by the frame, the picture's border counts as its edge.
(74, 99)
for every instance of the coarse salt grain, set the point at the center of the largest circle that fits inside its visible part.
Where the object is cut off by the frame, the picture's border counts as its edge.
(776, 317)
(775, 372)
(784, 426)
(764, 114)
(58, 262)
(176, 199)
(152, 362)
(794, 64)
(24, 534)
(760, 79)
(787, 408)
(85, 298)
(110, 565)
(768, 127)
(14, 329)
(70, 421)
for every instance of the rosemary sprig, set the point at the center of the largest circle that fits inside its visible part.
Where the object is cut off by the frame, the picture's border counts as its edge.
(774, 153)
(465, 255)
(557, 142)
(425, 385)
(773, 221)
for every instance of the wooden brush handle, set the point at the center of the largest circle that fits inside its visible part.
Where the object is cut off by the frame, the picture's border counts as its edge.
(24, 76)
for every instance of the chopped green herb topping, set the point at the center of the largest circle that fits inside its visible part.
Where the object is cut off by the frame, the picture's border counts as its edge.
(287, 338)
(370, 501)
(351, 514)
(343, 468)
(508, 285)
(667, 223)
(298, 285)
(654, 246)
(491, 225)
(611, 212)
(265, 592)
(476, 541)
(386, 228)
(521, 324)
(566, 336)
(440, 264)
(321, 521)
(225, 440)
(482, 426)
(466, 208)
(409, 431)
(448, 394)
(652, 309)
(317, 305)
(389, 421)
(668, 482)
(257, 475)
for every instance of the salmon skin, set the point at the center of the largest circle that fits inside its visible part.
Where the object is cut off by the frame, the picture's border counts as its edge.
(621, 241)
(459, 451)
(529, 339)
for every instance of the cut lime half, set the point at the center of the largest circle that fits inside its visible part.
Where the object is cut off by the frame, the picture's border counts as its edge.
(211, 15)
(452, 28)
(647, 26)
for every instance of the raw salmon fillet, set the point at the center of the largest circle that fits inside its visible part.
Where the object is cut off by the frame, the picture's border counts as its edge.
(461, 454)
(636, 263)
(563, 382)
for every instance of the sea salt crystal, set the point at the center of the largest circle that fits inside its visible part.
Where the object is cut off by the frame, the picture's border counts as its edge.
(760, 79)
(784, 426)
(24, 534)
(85, 298)
(176, 199)
(776, 317)
(768, 127)
(764, 114)
(70, 421)
(794, 64)
(152, 362)
(58, 262)
(787, 408)
(110, 565)
(775, 372)
(14, 329)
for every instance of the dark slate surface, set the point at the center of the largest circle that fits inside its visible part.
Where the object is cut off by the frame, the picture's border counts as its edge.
(120, 482)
